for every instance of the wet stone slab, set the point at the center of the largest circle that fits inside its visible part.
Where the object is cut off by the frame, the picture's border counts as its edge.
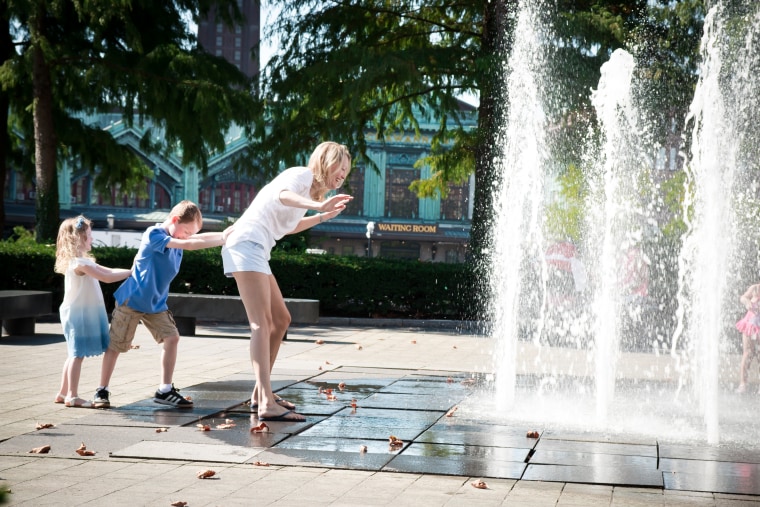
(553, 444)
(616, 476)
(441, 402)
(217, 453)
(742, 483)
(377, 424)
(460, 460)
(351, 460)
(448, 430)
(592, 459)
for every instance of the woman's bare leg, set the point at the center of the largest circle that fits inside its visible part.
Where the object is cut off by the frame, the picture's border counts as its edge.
(255, 292)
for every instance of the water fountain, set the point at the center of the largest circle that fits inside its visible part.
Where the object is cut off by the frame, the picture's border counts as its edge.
(676, 381)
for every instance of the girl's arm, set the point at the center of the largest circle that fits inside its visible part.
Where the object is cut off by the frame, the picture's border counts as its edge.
(198, 241)
(102, 273)
(746, 298)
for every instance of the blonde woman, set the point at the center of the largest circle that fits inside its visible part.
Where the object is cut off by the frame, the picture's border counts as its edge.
(279, 209)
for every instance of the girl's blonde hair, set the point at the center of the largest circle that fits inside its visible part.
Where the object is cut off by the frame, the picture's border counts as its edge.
(325, 156)
(71, 235)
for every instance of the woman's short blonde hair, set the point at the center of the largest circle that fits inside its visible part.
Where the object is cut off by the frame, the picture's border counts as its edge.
(325, 156)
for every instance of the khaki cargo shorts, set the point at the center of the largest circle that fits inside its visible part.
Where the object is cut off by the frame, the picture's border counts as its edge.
(124, 324)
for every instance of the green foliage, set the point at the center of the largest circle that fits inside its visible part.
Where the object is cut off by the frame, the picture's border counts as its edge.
(137, 58)
(564, 218)
(345, 286)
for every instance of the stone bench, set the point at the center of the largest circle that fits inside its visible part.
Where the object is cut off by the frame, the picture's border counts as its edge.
(187, 309)
(19, 309)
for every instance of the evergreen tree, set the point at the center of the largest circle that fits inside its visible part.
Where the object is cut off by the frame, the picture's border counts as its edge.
(138, 58)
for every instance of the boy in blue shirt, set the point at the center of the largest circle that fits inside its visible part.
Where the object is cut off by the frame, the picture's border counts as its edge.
(142, 297)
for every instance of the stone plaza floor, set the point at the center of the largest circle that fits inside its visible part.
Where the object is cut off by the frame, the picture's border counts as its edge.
(357, 386)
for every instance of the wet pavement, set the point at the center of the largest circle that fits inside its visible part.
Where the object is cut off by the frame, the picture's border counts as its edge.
(358, 390)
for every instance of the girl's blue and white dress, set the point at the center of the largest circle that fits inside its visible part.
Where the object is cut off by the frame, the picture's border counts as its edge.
(83, 312)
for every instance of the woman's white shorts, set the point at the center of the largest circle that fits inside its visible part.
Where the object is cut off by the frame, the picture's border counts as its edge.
(245, 256)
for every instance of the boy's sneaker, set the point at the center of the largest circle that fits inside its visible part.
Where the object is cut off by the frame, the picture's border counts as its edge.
(101, 399)
(172, 398)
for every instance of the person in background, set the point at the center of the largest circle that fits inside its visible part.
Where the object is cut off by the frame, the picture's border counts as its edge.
(83, 311)
(749, 327)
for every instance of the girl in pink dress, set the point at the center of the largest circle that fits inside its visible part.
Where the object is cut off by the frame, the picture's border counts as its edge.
(749, 327)
(83, 311)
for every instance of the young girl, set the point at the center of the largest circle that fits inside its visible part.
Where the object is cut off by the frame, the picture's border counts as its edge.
(749, 326)
(83, 312)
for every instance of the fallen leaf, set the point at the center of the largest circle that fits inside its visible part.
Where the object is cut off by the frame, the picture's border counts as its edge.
(395, 441)
(480, 484)
(85, 452)
(179, 503)
(449, 380)
(363, 449)
(328, 391)
(320, 368)
(331, 397)
(328, 362)
(319, 341)
(261, 428)
(224, 426)
(450, 413)
(162, 430)
(532, 434)
(353, 403)
(189, 398)
(203, 427)
(358, 347)
(342, 386)
(205, 474)
(455, 346)
(134, 347)
(44, 449)
(42, 426)
(414, 342)
(260, 464)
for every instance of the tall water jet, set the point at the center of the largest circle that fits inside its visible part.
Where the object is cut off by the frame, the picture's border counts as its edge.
(612, 213)
(518, 203)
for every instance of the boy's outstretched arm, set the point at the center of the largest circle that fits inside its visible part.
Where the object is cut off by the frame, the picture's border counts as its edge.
(198, 241)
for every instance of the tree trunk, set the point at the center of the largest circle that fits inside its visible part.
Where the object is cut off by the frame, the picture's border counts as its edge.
(491, 115)
(47, 216)
(6, 53)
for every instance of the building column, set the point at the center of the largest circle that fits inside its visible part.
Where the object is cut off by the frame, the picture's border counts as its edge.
(64, 185)
(190, 183)
(374, 185)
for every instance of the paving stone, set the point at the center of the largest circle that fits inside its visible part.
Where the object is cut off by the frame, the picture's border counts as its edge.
(188, 451)
(334, 459)
(619, 476)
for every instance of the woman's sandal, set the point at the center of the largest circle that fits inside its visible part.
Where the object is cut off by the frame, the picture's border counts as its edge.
(59, 398)
(77, 402)
(281, 402)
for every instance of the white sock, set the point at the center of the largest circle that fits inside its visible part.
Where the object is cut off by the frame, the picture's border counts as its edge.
(164, 388)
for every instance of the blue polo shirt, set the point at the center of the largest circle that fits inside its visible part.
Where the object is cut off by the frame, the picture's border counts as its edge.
(147, 289)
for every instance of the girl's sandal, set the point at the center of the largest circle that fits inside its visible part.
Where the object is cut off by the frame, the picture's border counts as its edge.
(77, 402)
(59, 398)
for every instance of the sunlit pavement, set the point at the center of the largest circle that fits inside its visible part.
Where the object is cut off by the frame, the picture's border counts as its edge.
(357, 386)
